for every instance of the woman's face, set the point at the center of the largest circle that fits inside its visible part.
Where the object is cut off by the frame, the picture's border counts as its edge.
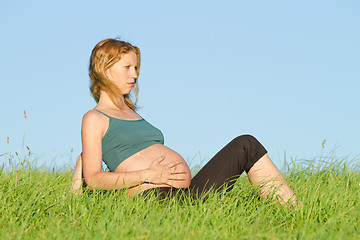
(123, 73)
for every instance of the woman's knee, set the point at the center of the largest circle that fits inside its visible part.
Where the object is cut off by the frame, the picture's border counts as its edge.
(245, 140)
(250, 150)
(251, 145)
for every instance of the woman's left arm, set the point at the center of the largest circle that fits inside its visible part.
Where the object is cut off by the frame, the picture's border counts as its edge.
(77, 180)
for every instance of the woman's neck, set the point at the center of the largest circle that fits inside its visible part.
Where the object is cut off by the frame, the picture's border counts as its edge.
(106, 102)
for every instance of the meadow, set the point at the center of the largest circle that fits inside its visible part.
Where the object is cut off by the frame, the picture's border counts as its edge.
(36, 204)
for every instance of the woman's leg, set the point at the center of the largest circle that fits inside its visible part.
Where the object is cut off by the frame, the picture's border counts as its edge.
(266, 176)
(244, 153)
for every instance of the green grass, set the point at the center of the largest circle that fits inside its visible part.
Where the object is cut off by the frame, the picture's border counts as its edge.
(35, 203)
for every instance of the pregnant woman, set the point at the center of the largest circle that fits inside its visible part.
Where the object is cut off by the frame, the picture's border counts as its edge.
(134, 150)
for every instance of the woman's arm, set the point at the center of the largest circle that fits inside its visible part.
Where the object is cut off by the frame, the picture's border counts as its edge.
(77, 180)
(94, 126)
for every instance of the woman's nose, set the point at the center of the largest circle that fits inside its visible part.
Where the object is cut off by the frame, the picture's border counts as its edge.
(134, 74)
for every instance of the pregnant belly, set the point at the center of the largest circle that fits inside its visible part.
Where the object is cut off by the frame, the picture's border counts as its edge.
(142, 160)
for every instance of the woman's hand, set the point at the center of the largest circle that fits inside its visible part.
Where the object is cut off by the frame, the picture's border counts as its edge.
(165, 173)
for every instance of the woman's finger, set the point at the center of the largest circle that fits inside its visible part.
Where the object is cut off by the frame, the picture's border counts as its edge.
(160, 159)
(171, 165)
(177, 179)
(178, 172)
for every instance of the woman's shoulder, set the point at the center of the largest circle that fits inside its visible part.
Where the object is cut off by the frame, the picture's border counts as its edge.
(92, 117)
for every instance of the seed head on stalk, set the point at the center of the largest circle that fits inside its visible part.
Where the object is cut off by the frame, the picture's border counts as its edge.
(323, 143)
(28, 150)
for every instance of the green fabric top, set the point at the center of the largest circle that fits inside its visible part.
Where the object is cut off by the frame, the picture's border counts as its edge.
(124, 138)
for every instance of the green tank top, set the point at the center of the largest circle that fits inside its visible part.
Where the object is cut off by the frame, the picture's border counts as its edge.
(124, 138)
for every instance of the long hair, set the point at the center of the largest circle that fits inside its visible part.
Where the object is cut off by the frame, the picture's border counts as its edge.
(105, 54)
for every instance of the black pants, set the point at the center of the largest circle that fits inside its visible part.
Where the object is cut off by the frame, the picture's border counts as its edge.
(222, 170)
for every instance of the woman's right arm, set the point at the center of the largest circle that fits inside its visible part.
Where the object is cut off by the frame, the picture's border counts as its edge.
(92, 131)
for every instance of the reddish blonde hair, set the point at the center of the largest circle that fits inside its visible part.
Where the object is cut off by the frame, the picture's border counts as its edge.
(105, 54)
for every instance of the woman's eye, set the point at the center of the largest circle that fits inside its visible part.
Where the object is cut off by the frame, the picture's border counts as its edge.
(136, 68)
(127, 67)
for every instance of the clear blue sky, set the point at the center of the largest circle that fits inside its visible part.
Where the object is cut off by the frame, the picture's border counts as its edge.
(287, 72)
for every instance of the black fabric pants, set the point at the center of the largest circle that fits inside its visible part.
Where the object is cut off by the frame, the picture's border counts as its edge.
(223, 169)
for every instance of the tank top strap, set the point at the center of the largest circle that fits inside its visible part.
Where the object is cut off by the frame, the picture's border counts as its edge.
(102, 113)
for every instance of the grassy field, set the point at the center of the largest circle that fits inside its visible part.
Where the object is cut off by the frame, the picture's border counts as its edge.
(35, 203)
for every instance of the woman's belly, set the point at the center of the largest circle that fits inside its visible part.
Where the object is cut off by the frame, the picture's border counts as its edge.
(142, 160)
